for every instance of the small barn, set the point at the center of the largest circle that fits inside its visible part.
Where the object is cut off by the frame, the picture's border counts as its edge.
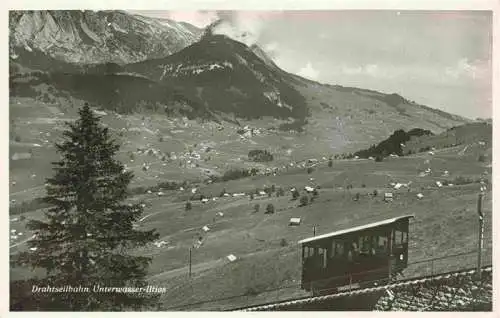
(294, 221)
(388, 197)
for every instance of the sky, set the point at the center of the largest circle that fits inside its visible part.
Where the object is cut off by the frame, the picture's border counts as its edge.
(438, 58)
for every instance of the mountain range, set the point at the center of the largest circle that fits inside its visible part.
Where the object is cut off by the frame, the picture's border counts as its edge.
(129, 63)
(97, 36)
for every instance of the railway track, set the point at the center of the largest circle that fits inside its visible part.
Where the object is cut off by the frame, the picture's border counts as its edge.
(311, 301)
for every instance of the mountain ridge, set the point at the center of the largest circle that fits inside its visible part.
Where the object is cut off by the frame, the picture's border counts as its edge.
(217, 77)
(83, 36)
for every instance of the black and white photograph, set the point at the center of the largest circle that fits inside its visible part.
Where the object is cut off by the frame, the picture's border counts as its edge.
(250, 160)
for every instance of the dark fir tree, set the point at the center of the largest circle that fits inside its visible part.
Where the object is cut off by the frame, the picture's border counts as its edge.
(88, 233)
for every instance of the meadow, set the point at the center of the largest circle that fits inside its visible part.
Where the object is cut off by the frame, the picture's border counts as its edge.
(268, 256)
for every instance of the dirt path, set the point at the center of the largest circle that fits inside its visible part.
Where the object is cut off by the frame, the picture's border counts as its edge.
(22, 242)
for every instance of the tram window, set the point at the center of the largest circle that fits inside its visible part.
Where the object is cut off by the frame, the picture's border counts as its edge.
(309, 252)
(364, 244)
(382, 243)
(339, 252)
(322, 256)
(320, 251)
(373, 244)
(405, 237)
(398, 237)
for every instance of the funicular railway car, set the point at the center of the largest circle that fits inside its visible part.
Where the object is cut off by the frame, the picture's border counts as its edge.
(357, 257)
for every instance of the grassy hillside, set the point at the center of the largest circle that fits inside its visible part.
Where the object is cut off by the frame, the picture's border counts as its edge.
(477, 133)
(266, 247)
(123, 93)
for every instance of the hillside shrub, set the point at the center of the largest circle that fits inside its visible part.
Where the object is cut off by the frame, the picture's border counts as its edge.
(283, 242)
(304, 200)
(375, 192)
(280, 192)
(235, 174)
(260, 156)
(256, 208)
(330, 163)
(481, 158)
(463, 180)
(295, 195)
(270, 208)
(379, 158)
(189, 206)
(424, 149)
(310, 170)
(252, 291)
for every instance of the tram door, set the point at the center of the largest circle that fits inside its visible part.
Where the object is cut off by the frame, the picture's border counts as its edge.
(399, 242)
(314, 264)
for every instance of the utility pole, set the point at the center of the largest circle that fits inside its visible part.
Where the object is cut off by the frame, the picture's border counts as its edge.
(314, 230)
(481, 232)
(389, 244)
(190, 261)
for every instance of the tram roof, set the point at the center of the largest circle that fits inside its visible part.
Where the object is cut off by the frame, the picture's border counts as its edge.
(355, 229)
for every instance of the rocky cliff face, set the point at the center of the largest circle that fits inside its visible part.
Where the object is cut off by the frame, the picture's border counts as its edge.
(97, 36)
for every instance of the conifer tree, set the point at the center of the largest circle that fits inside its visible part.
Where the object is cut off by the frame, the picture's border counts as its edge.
(88, 233)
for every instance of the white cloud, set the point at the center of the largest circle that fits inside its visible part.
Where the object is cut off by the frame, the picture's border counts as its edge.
(244, 26)
(197, 18)
(464, 68)
(370, 70)
(271, 47)
(308, 71)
